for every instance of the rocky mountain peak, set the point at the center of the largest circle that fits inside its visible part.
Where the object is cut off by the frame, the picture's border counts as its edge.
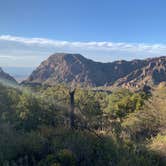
(66, 68)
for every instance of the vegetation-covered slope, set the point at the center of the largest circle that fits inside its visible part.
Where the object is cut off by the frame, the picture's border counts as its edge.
(122, 128)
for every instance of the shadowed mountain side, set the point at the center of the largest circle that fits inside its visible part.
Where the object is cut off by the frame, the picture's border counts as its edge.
(6, 79)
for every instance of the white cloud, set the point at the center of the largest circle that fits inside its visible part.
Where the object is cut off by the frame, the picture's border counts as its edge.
(31, 51)
(84, 45)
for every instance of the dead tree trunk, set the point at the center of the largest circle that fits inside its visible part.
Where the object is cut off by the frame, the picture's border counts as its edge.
(71, 109)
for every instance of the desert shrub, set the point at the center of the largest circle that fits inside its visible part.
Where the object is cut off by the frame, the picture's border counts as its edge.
(123, 102)
(158, 145)
(150, 120)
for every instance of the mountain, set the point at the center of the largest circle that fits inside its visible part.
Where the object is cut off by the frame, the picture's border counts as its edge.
(153, 73)
(69, 68)
(6, 78)
(19, 73)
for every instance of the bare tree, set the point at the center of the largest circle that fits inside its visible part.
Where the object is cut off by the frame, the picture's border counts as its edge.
(71, 109)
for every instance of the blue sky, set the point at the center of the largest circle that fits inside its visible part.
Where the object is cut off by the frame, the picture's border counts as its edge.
(103, 30)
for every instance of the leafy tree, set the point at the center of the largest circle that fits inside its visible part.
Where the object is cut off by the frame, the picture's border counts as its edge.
(123, 102)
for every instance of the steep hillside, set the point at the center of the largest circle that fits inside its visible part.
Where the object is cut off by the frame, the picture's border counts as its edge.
(69, 68)
(153, 73)
(6, 78)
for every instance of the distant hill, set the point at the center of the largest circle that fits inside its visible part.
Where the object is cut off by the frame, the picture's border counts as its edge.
(69, 68)
(5, 78)
(19, 73)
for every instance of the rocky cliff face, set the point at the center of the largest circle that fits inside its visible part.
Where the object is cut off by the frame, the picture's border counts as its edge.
(69, 68)
(6, 78)
(153, 73)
